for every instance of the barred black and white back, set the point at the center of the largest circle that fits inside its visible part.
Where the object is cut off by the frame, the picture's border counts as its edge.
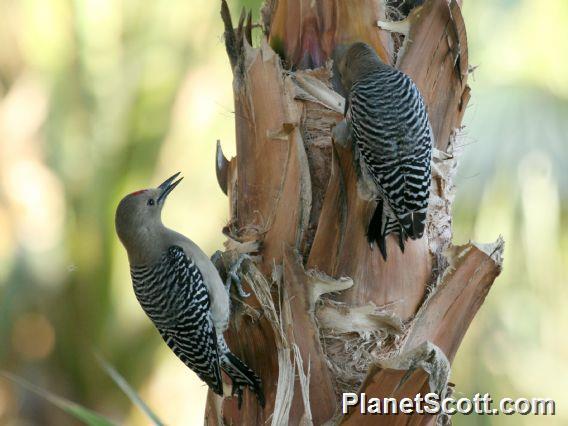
(174, 296)
(393, 136)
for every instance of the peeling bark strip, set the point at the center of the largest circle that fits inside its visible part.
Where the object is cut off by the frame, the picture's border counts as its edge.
(422, 370)
(326, 314)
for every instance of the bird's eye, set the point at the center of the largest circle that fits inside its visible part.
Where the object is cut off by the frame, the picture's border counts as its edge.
(151, 202)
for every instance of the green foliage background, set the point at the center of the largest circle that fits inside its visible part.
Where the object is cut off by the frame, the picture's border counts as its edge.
(100, 98)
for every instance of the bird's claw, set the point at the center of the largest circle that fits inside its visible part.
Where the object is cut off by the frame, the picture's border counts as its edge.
(233, 272)
(233, 275)
(341, 133)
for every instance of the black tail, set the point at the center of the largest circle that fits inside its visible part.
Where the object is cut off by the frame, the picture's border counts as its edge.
(241, 376)
(381, 226)
(414, 224)
(375, 230)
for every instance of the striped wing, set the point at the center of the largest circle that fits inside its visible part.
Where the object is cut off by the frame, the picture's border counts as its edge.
(392, 132)
(174, 295)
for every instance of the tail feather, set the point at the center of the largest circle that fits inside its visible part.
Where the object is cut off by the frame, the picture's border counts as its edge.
(381, 225)
(241, 376)
(374, 230)
(414, 224)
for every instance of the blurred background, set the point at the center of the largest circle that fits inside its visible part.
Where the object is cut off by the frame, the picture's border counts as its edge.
(100, 98)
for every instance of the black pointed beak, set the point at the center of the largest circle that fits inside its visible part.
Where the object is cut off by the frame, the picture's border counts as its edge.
(168, 186)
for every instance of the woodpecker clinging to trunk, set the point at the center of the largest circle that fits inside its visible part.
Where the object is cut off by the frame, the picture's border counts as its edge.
(180, 290)
(387, 122)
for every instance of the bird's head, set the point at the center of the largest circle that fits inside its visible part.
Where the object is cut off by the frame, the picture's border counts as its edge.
(354, 61)
(138, 215)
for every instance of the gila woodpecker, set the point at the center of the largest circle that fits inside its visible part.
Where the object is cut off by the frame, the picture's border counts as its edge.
(181, 291)
(387, 123)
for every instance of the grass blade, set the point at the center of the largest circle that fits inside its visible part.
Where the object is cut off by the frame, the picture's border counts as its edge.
(127, 389)
(91, 418)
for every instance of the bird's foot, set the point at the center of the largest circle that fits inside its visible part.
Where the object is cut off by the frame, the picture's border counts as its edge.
(341, 133)
(234, 275)
(231, 269)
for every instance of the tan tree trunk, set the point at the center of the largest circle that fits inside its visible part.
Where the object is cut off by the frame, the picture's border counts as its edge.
(327, 315)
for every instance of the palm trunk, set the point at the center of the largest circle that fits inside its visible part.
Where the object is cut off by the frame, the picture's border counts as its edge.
(327, 315)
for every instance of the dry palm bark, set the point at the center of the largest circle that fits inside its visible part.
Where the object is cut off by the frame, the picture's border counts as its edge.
(326, 314)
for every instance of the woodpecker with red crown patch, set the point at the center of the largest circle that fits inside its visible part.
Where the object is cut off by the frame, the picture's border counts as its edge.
(181, 291)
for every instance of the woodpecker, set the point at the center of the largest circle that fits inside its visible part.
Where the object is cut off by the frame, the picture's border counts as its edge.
(181, 291)
(387, 123)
